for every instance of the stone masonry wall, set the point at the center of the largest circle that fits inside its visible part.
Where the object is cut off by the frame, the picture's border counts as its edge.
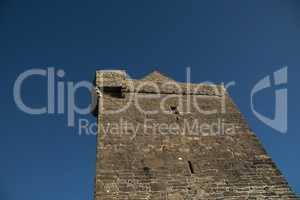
(138, 160)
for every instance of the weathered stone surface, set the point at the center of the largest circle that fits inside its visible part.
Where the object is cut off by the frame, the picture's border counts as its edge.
(110, 78)
(221, 160)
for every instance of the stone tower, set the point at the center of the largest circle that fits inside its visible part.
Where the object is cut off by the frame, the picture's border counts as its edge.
(160, 139)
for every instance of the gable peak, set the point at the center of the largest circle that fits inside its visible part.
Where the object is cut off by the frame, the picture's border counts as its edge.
(156, 76)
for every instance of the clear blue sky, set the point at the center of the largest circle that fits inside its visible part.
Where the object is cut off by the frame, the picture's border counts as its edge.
(243, 41)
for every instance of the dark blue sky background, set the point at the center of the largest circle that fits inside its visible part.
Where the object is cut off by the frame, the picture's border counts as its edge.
(222, 41)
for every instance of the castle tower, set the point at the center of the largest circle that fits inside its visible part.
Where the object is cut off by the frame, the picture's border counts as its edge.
(163, 140)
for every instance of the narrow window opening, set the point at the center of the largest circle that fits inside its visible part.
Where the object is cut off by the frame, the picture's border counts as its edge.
(114, 92)
(173, 108)
(146, 171)
(191, 167)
